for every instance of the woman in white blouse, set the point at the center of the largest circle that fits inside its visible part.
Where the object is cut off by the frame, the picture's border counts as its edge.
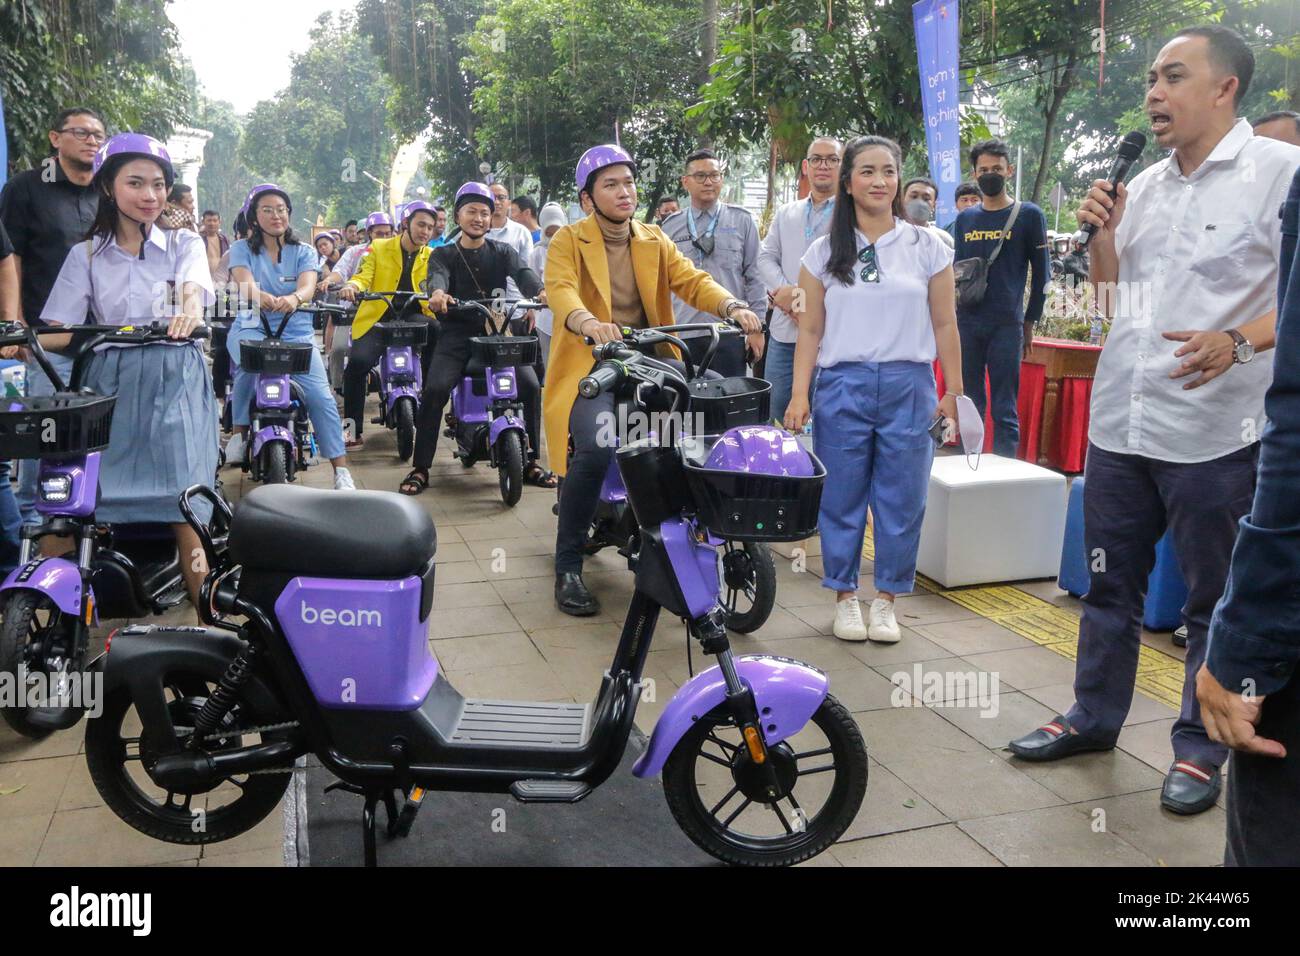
(127, 272)
(878, 305)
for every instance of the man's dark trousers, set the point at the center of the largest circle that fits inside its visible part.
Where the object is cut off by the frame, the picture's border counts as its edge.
(997, 346)
(1128, 502)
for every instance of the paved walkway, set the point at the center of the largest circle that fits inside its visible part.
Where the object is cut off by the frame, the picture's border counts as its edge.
(942, 789)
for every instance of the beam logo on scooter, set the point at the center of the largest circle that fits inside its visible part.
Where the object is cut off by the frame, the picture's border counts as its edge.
(346, 617)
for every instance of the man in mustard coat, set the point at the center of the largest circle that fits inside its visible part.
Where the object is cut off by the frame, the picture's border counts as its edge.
(603, 273)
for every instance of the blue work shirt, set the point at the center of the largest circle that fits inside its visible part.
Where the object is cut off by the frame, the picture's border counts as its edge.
(276, 278)
(1253, 633)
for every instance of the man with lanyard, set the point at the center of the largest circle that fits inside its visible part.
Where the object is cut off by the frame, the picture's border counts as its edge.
(793, 229)
(46, 212)
(722, 240)
(1178, 399)
(399, 264)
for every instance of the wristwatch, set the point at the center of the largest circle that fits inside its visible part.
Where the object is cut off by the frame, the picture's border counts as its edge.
(1242, 350)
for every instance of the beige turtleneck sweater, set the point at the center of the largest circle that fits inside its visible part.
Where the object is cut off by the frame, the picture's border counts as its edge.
(625, 299)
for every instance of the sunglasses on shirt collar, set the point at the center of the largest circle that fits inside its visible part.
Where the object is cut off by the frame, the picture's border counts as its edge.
(870, 266)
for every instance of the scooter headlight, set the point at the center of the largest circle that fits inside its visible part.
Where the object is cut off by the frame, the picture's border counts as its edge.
(399, 361)
(57, 489)
(272, 391)
(504, 383)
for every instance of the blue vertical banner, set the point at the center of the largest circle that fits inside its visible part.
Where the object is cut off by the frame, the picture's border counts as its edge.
(4, 143)
(936, 56)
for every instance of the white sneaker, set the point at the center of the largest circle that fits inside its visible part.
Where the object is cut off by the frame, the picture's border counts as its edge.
(343, 480)
(235, 450)
(848, 620)
(884, 629)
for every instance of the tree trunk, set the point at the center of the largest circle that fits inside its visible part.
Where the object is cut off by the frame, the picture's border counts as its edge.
(1060, 88)
(708, 52)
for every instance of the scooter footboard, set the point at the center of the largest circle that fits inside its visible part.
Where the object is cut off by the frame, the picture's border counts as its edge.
(787, 692)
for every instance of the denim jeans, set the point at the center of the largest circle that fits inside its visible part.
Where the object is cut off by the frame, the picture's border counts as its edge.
(11, 521)
(996, 346)
(779, 370)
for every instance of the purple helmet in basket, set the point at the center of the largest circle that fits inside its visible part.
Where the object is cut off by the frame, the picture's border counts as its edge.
(760, 450)
(596, 159)
(124, 146)
(475, 192)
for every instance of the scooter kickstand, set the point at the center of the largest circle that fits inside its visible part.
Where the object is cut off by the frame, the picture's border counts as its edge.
(368, 829)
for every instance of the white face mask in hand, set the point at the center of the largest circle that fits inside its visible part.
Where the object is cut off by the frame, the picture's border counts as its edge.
(971, 427)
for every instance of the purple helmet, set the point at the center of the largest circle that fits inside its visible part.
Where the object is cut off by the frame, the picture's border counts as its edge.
(596, 159)
(475, 192)
(259, 190)
(378, 219)
(419, 205)
(760, 449)
(126, 146)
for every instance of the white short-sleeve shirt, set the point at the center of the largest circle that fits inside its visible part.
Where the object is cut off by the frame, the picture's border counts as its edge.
(1197, 252)
(885, 321)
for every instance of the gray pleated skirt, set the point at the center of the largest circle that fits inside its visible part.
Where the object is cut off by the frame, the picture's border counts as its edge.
(164, 435)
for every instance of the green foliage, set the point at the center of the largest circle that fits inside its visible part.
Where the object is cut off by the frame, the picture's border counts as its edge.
(224, 180)
(320, 133)
(119, 57)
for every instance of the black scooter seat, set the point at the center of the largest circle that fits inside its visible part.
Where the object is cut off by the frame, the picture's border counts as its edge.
(342, 534)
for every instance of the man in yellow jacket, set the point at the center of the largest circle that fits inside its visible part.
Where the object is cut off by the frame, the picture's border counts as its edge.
(399, 263)
(603, 273)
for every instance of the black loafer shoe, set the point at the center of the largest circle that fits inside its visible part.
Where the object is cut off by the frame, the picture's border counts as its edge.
(1179, 637)
(572, 596)
(1190, 787)
(1052, 741)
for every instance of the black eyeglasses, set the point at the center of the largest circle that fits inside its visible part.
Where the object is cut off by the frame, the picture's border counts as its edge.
(85, 134)
(870, 267)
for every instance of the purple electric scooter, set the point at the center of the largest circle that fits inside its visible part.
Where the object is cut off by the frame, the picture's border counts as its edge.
(48, 604)
(760, 764)
(486, 417)
(281, 439)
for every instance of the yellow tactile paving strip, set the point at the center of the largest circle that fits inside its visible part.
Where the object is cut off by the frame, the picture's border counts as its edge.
(1159, 676)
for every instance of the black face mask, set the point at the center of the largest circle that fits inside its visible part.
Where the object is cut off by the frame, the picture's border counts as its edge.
(992, 184)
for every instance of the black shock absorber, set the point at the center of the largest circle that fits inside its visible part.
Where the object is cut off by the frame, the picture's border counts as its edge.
(221, 700)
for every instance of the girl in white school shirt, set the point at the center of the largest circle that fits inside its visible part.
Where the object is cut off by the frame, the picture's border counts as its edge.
(879, 305)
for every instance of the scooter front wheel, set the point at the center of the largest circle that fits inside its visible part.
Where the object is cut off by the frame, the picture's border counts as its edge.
(404, 413)
(118, 756)
(32, 630)
(730, 808)
(510, 466)
(748, 576)
(274, 463)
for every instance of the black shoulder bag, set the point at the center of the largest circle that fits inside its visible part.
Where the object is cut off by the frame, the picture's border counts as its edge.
(972, 274)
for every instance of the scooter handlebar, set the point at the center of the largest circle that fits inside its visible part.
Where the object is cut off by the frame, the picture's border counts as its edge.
(606, 375)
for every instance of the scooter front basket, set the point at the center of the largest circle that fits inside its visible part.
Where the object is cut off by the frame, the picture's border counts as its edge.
(756, 504)
(55, 427)
(274, 357)
(503, 351)
(399, 334)
(724, 403)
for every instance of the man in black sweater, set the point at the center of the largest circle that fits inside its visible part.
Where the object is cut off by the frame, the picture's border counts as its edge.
(472, 267)
(998, 332)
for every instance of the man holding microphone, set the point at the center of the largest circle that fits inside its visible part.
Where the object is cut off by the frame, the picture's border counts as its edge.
(1185, 259)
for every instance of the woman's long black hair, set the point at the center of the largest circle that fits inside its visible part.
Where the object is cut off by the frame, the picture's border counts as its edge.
(255, 241)
(843, 260)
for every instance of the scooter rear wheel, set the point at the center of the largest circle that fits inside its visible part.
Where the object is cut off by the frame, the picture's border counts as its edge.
(22, 635)
(510, 466)
(404, 412)
(118, 753)
(715, 790)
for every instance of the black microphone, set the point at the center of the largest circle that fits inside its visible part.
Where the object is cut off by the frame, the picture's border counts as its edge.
(1129, 150)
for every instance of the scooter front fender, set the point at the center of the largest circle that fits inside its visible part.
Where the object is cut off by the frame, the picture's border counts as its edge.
(500, 424)
(787, 693)
(56, 578)
(270, 433)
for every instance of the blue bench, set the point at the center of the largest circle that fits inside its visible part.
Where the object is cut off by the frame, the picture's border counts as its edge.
(1166, 590)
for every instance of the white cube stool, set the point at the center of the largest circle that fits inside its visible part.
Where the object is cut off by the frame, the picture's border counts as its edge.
(1001, 522)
